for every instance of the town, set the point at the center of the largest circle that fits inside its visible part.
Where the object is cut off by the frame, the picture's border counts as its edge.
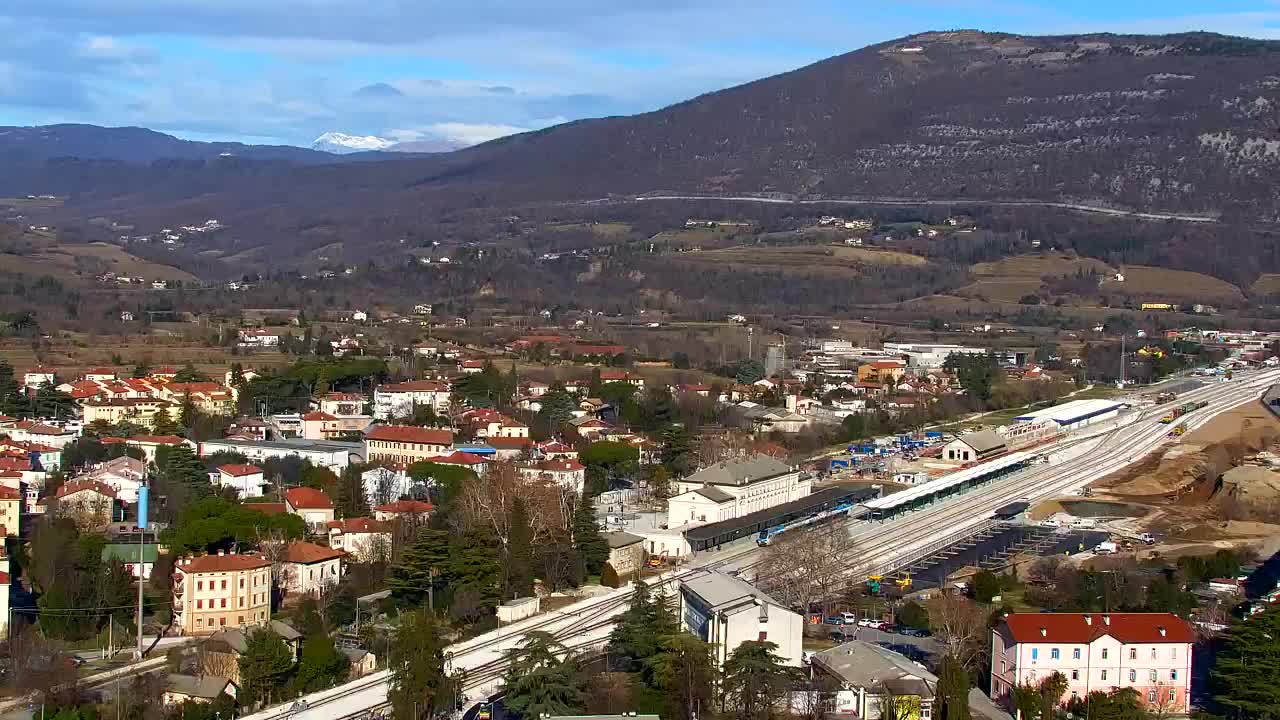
(282, 536)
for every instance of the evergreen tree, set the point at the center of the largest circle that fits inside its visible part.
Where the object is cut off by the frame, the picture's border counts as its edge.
(140, 370)
(647, 619)
(187, 411)
(50, 402)
(953, 690)
(474, 567)
(237, 375)
(592, 548)
(519, 563)
(420, 687)
(321, 666)
(162, 423)
(544, 677)
(182, 476)
(349, 499)
(1248, 666)
(10, 402)
(421, 566)
(264, 664)
(755, 680)
(684, 670)
(677, 450)
(557, 408)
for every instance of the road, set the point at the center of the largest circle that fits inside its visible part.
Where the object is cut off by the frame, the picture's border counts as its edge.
(1078, 207)
(1073, 463)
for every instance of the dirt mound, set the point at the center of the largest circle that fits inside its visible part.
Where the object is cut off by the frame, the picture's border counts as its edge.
(1195, 469)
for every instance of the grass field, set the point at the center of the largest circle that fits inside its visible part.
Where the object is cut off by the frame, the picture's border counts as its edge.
(1010, 279)
(1154, 284)
(72, 262)
(72, 354)
(606, 230)
(701, 237)
(805, 258)
(1266, 284)
(30, 203)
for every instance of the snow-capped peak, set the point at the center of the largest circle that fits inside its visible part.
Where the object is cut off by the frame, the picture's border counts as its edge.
(341, 143)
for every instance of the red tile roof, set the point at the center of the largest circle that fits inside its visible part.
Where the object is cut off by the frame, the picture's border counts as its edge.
(508, 443)
(71, 487)
(457, 457)
(560, 466)
(266, 508)
(15, 463)
(360, 525)
(344, 397)
(1073, 628)
(405, 506)
(9, 493)
(239, 470)
(157, 439)
(307, 553)
(416, 386)
(305, 498)
(317, 415)
(409, 434)
(221, 563)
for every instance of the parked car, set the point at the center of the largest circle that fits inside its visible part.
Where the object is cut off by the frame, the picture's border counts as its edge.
(833, 620)
(849, 618)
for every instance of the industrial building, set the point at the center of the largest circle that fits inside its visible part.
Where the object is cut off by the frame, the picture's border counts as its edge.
(726, 612)
(1075, 414)
(920, 355)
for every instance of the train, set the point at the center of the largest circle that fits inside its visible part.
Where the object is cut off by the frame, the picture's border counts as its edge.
(1181, 410)
(766, 536)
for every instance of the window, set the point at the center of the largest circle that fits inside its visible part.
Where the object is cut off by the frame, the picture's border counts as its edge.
(241, 583)
(224, 602)
(241, 602)
(199, 604)
(1173, 652)
(1173, 675)
(1173, 695)
(1153, 653)
(222, 621)
(1035, 653)
(1133, 653)
(1053, 654)
(1075, 674)
(1153, 676)
(1151, 696)
(224, 584)
(1104, 674)
(199, 622)
(1075, 654)
(199, 584)
(1133, 676)
(1104, 653)
(240, 619)
(1075, 695)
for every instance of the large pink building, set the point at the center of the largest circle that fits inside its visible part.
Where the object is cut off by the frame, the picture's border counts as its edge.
(1149, 652)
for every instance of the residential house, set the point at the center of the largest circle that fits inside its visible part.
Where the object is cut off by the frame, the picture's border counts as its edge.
(91, 504)
(343, 404)
(135, 410)
(312, 505)
(882, 371)
(248, 480)
(589, 427)
(509, 448)
(400, 399)
(37, 432)
(259, 338)
(406, 444)
(608, 376)
(471, 367)
(221, 652)
(1149, 652)
(366, 539)
(128, 554)
(866, 676)
(308, 569)
(10, 510)
(149, 444)
(123, 474)
(568, 474)
(362, 661)
(726, 611)
(734, 488)
(555, 450)
(211, 592)
(37, 376)
(320, 425)
(196, 688)
(466, 460)
(100, 374)
(402, 510)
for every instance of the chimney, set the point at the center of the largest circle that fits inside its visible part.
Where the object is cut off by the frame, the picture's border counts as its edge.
(221, 553)
(1044, 632)
(1106, 619)
(1088, 619)
(1163, 631)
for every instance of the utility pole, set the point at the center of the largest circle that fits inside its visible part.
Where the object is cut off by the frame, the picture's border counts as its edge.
(1122, 338)
(144, 493)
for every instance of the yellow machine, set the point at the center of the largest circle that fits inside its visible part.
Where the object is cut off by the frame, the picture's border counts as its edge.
(904, 582)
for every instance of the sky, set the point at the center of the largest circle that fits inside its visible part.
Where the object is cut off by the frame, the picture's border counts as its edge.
(286, 71)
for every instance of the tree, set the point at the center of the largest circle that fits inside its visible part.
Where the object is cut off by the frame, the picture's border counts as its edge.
(420, 684)
(1029, 299)
(519, 564)
(420, 567)
(748, 371)
(913, 615)
(50, 402)
(1119, 704)
(1038, 702)
(677, 450)
(609, 577)
(976, 373)
(684, 669)
(557, 408)
(986, 585)
(349, 498)
(607, 463)
(162, 423)
(953, 689)
(474, 570)
(961, 626)
(591, 547)
(264, 664)
(187, 411)
(755, 680)
(543, 676)
(635, 636)
(1248, 666)
(810, 568)
(322, 666)
(10, 402)
(181, 477)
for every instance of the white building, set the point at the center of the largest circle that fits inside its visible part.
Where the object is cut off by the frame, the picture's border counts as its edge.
(400, 399)
(366, 539)
(330, 454)
(927, 355)
(1075, 414)
(310, 568)
(726, 612)
(734, 488)
(248, 480)
(569, 474)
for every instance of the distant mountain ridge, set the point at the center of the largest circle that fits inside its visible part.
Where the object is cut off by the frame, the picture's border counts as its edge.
(340, 143)
(133, 145)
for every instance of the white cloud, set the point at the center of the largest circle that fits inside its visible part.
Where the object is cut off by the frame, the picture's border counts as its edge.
(472, 133)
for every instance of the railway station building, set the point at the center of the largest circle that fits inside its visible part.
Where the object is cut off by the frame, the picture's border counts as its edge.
(733, 488)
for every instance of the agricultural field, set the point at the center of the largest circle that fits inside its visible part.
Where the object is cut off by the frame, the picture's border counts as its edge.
(83, 262)
(603, 230)
(1153, 284)
(804, 258)
(1266, 284)
(702, 237)
(1010, 279)
(73, 353)
(31, 203)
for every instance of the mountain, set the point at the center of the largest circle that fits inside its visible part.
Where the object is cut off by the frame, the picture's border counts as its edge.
(131, 145)
(1174, 123)
(342, 144)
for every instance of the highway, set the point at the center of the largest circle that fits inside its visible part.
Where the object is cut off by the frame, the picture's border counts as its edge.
(1072, 463)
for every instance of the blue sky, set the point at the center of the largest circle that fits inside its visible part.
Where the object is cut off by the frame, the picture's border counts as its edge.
(285, 71)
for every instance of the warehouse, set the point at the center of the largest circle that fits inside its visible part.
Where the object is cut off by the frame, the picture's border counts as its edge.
(1076, 414)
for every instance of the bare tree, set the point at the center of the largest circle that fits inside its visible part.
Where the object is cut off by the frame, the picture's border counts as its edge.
(809, 567)
(817, 699)
(961, 626)
(895, 706)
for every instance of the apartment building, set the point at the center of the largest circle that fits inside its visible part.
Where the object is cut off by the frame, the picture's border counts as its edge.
(400, 399)
(224, 590)
(406, 444)
(1149, 652)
